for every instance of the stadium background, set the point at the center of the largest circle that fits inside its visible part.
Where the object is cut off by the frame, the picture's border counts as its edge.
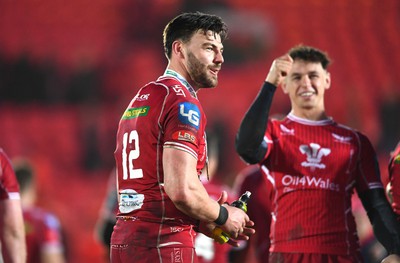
(69, 68)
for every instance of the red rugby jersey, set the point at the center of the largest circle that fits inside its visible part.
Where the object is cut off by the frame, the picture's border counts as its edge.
(314, 167)
(9, 187)
(43, 233)
(394, 177)
(164, 113)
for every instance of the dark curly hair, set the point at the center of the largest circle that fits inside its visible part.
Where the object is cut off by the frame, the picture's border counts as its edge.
(185, 25)
(310, 54)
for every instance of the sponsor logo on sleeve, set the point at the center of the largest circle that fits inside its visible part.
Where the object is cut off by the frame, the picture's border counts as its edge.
(397, 159)
(135, 112)
(189, 114)
(142, 97)
(185, 136)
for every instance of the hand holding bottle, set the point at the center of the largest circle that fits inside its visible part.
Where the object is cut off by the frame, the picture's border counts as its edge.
(222, 237)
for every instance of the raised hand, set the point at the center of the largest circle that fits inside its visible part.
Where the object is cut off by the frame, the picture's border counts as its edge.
(279, 69)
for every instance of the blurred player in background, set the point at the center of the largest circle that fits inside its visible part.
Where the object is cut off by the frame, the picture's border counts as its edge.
(12, 239)
(207, 249)
(256, 249)
(393, 188)
(161, 150)
(315, 164)
(108, 214)
(42, 228)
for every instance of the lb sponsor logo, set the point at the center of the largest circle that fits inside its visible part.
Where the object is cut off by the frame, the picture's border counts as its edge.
(185, 136)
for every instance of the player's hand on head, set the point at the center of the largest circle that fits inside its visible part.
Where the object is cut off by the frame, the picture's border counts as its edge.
(279, 69)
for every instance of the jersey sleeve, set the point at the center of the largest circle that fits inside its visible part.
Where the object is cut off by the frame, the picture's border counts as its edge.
(9, 187)
(367, 168)
(268, 138)
(184, 125)
(51, 236)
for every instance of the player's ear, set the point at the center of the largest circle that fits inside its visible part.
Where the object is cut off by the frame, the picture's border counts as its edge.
(327, 80)
(178, 49)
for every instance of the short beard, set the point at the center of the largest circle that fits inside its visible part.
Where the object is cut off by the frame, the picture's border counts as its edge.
(198, 73)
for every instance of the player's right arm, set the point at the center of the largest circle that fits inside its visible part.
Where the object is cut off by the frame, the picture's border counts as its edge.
(182, 185)
(250, 144)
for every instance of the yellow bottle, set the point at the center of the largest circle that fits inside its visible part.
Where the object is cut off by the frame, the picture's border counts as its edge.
(222, 237)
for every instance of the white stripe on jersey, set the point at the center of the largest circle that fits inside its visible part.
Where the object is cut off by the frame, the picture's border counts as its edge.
(169, 244)
(14, 196)
(182, 147)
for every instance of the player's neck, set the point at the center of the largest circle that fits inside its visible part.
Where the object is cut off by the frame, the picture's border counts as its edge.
(312, 114)
(181, 70)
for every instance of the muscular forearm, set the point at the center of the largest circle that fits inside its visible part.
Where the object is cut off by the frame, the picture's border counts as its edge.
(383, 219)
(249, 139)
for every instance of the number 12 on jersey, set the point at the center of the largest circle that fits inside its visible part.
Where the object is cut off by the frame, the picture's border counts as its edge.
(127, 157)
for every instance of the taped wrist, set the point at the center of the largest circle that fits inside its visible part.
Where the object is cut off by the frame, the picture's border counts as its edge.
(222, 216)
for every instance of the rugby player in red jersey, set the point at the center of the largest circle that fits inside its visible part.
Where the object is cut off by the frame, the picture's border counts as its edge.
(43, 232)
(12, 238)
(315, 165)
(394, 180)
(256, 249)
(161, 150)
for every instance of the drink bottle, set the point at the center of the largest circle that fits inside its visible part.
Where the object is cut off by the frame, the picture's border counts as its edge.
(222, 237)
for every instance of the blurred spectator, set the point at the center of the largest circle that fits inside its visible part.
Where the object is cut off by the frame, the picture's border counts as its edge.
(256, 249)
(108, 212)
(208, 250)
(389, 116)
(13, 248)
(42, 228)
(84, 85)
(251, 34)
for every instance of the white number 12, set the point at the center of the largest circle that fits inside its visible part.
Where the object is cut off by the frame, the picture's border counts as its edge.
(132, 137)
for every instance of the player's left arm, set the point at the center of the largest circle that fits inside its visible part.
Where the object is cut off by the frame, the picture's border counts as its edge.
(12, 233)
(383, 219)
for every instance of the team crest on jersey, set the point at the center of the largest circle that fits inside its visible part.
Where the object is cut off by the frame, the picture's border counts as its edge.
(189, 114)
(185, 136)
(135, 112)
(130, 200)
(179, 90)
(314, 154)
